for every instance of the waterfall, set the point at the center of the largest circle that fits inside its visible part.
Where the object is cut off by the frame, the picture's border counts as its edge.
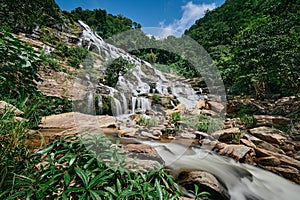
(90, 107)
(117, 108)
(90, 103)
(141, 104)
(138, 80)
(100, 104)
(125, 104)
(133, 104)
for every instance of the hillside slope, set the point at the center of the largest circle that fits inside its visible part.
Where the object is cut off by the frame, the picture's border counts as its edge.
(255, 44)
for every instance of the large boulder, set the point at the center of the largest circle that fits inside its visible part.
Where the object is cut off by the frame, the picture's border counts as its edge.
(206, 182)
(82, 122)
(237, 152)
(270, 135)
(284, 159)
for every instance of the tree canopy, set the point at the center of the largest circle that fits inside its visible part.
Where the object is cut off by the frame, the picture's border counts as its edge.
(255, 44)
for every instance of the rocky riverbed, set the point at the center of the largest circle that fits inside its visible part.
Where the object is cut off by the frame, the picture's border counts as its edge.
(270, 142)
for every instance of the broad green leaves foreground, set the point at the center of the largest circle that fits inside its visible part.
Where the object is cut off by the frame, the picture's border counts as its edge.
(73, 168)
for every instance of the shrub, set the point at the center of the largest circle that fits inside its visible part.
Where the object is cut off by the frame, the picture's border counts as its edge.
(116, 68)
(74, 168)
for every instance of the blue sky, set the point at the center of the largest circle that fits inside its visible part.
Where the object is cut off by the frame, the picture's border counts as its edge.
(174, 15)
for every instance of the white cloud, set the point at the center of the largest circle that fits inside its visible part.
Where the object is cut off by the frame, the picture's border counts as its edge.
(191, 12)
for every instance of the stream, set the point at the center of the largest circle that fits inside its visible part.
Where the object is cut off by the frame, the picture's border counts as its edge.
(243, 181)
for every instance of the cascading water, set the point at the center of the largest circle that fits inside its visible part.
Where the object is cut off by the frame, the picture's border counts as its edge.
(90, 96)
(244, 182)
(137, 81)
(141, 104)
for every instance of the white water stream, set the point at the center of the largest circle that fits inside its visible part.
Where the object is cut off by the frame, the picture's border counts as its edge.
(243, 181)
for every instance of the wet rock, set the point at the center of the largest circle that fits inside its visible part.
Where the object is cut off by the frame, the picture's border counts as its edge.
(297, 156)
(106, 121)
(296, 145)
(149, 135)
(285, 160)
(234, 151)
(182, 124)
(206, 182)
(128, 132)
(226, 134)
(208, 144)
(60, 84)
(268, 134)
(268, 161)
(288, 172)
(265, 145)
(270, 121)
(143, 151)
(288, 147)
(4, 106)
(187, 135)
(180, 108)
(230, 123)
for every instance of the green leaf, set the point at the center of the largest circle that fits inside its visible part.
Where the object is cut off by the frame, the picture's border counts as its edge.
(112, 191)
(83, 176)
(119, 187)
(94, 195)
(43, 151)
(72, 160)
(158, 189)
(204, 194)
(67, 179)
(100, 179)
